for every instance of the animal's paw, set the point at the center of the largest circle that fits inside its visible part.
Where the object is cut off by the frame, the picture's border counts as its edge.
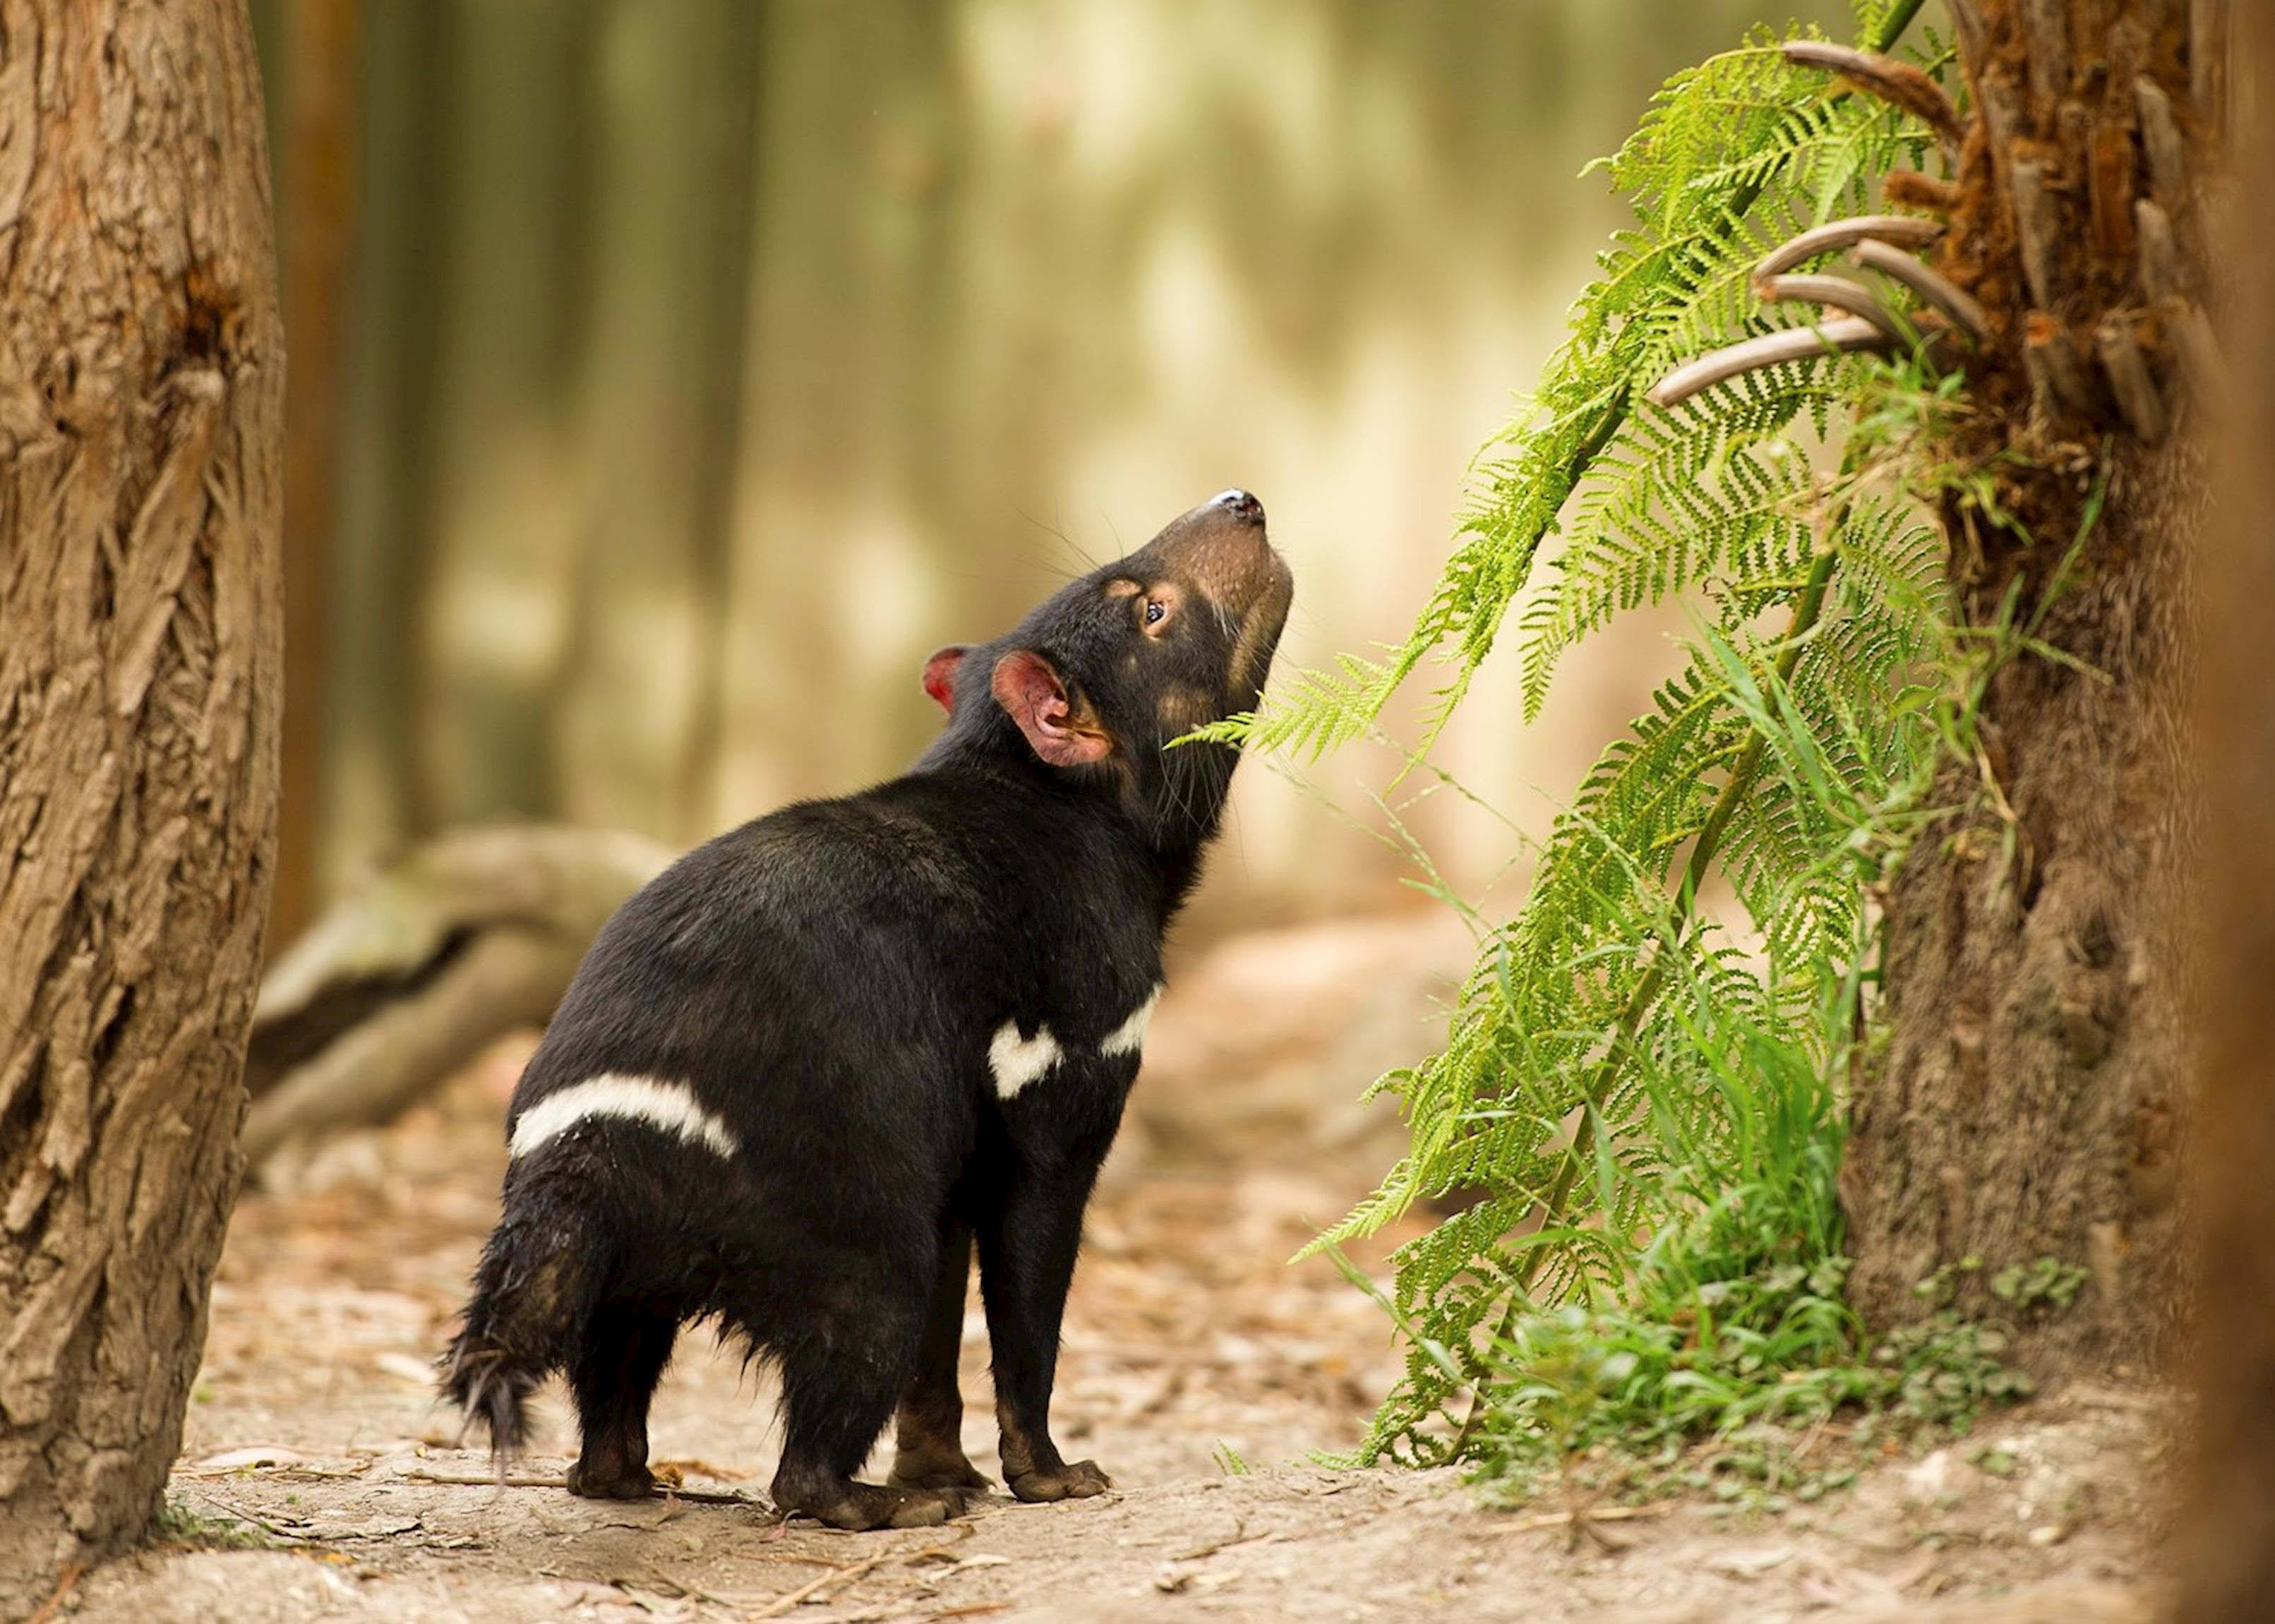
(861, 1506)
(609, 1480)
(1074, 1481)
(929, 1507)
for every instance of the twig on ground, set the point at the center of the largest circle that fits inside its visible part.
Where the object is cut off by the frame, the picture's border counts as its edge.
(849, 1575)
(260, 1522)
(72, 1574)
(1236, 1540)
(701, 1497)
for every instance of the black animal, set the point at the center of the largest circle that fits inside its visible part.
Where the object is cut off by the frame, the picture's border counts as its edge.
(801, 1071)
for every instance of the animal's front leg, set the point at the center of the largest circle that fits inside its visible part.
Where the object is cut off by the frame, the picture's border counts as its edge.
(1026, 1260)
(928, 1429)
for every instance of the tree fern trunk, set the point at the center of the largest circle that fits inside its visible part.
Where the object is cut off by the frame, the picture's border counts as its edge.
(141, 390)
(2029, 1101)
(2226, 1533)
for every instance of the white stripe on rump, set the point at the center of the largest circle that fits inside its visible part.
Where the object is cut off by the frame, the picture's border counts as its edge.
(668, 1106)
(1126, 1038)
(1018, 1062)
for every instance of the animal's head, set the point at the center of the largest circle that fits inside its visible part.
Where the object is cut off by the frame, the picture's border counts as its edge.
(1095, 682)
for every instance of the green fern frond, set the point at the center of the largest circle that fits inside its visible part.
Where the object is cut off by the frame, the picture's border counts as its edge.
(1619, 1043)
(1731, 157)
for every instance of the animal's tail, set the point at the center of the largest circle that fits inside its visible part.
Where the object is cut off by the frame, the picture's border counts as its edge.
(539, 1278)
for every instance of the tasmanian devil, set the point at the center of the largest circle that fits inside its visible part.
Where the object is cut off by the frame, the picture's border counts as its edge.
(801, 1071)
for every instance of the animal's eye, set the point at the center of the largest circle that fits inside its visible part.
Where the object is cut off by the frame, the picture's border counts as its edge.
(1154, 610)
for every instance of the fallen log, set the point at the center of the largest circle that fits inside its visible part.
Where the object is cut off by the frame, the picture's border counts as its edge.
(409, 977)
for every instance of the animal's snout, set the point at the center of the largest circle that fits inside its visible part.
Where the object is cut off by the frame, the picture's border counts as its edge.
(1222, 548)
(1241, 505)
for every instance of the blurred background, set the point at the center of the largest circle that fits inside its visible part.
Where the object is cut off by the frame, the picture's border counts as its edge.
(669, 376)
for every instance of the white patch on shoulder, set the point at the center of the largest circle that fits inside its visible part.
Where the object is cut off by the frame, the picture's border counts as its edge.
(1018, 1062)
(668, 1106)
(1131, 1035)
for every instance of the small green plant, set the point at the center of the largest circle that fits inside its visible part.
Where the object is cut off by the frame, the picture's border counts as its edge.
(178, 1522)
(2046, 1286)
(1229, 1460)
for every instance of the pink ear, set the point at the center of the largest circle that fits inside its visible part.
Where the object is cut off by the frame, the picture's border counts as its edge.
(1032, 694)
(940, 674)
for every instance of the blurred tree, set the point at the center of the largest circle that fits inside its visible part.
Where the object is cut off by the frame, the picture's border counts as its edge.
(705, 362)
(2037, 1068)
(318, 187)
(141, 411)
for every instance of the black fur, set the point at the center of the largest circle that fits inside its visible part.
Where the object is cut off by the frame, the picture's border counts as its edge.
(826, 982)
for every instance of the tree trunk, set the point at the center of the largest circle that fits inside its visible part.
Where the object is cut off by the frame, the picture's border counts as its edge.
(2035, 1080)
(2225, 1536)
(322, 56)
(142, 387)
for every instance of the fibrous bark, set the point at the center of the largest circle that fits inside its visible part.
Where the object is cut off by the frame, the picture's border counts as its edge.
(2227, 1533)
(141, 381)
(2037, 1081)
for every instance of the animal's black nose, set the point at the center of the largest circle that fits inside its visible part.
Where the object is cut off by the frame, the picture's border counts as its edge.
(1243, 506)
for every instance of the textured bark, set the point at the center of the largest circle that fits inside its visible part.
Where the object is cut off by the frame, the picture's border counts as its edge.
(2036, 1084)
(2226, 1536)
(141, 383)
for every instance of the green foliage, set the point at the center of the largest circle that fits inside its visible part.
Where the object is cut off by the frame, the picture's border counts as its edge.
(178, 1522)
(1733, 155)
(1633, 1117)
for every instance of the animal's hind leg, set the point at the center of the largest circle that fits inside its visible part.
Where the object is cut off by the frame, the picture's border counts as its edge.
(614, 1377)
(928, 1428)
(843, 1368)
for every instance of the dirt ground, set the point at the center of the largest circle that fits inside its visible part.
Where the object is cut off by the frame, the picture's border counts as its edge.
(318, 1480)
